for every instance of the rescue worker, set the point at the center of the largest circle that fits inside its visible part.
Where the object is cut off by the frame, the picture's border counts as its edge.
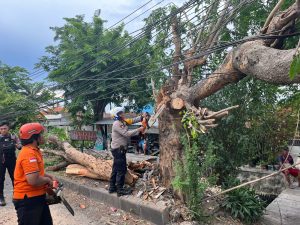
(8, 145)
(120, 136)
(31, 181)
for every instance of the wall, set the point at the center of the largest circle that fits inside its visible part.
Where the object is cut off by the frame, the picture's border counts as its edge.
(271, 186)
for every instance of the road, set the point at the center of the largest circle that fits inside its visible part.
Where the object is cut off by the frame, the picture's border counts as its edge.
(90, 212)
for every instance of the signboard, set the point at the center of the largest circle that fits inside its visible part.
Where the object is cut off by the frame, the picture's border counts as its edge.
(82, 135)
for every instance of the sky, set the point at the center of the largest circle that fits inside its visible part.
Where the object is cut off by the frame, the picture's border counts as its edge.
(25, 23)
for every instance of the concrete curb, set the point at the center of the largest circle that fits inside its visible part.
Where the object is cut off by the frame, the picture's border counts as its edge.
(155, 213)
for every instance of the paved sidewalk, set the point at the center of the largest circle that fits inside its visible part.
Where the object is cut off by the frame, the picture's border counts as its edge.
(285, 209)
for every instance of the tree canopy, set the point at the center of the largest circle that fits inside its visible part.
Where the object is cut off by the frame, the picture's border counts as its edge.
(96, 66)
(20, 98)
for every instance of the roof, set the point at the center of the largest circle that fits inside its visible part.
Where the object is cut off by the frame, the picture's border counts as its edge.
(110, 122)
(152, 130)
(53, 116)
(105, 122)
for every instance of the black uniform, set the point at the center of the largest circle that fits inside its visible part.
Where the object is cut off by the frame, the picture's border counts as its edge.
(7, 158)
(119, 168)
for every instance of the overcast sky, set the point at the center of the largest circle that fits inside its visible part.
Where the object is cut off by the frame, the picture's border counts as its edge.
(25, 23)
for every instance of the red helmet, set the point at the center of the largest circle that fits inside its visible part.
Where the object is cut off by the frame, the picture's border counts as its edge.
(28, 129)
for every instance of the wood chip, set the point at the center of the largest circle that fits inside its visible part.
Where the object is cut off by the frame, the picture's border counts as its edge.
(82, 206)
(139, 194)
(153, 182)
(159, 194)
(113, 209)
(146, 196)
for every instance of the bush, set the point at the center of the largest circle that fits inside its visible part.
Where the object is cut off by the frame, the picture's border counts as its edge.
(194, 171)
(244, 204)
(61, 133)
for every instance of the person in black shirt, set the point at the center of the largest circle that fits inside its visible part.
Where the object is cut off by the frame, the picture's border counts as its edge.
(8, 145)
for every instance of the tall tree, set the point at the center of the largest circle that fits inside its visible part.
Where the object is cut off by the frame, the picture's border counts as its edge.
(86, 64)
(194, 51)
(20, 98)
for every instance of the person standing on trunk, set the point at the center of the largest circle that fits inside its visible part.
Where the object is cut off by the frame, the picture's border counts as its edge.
(120, 136)
(8, 145)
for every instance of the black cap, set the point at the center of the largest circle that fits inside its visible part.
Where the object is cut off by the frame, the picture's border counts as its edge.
(3, 123)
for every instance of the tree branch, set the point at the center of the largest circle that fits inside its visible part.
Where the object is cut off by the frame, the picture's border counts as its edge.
(177, 43)
(251, 59)
(271, 15)
(283, 23)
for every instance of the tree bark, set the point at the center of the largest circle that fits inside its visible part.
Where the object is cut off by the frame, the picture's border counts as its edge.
(57, 167)
(249, 59)
(169, 144)
(80, 170)
(101, 167)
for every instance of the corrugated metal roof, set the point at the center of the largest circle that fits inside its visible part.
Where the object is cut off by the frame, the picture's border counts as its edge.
(53, 116)
(152, 130)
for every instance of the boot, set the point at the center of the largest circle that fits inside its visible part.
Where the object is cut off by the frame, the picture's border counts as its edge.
(112, 189)
(2, 201)
(123, 191)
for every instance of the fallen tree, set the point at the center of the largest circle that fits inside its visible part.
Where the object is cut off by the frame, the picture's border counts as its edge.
(98, 168)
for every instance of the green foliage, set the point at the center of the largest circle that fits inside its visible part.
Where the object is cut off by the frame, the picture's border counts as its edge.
(244, 204)
(190, 122)
(194, 173)
(80, 62)
(20, 99)
(295, 67)
(256, 129)
(61, 133)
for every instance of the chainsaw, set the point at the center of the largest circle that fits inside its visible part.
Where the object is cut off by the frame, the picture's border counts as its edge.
(54, 196)
(148, 121)
(156, 115)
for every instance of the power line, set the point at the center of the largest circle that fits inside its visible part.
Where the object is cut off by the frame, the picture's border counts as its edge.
(38, 71)
(210, 77)
(135, 57)
(116, 50)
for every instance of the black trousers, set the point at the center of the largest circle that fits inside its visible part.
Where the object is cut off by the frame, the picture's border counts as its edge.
(119, 169)
(8, 163)
(33, 211)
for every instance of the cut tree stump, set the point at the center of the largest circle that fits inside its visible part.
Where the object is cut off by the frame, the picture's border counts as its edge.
(177, 103)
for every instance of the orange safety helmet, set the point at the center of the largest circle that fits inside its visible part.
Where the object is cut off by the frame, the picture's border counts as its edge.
(29, 129)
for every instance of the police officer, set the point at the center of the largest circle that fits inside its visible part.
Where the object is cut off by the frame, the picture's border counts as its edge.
(120, 136)
(8, 145)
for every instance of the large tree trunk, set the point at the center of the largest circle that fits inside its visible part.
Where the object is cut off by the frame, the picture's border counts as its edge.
(169, 143)
(99, 108)
(99, 166)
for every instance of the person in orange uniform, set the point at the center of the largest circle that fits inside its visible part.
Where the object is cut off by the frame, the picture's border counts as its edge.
(31, 181)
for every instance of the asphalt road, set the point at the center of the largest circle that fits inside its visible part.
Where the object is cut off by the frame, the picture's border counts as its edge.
(86, 210)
